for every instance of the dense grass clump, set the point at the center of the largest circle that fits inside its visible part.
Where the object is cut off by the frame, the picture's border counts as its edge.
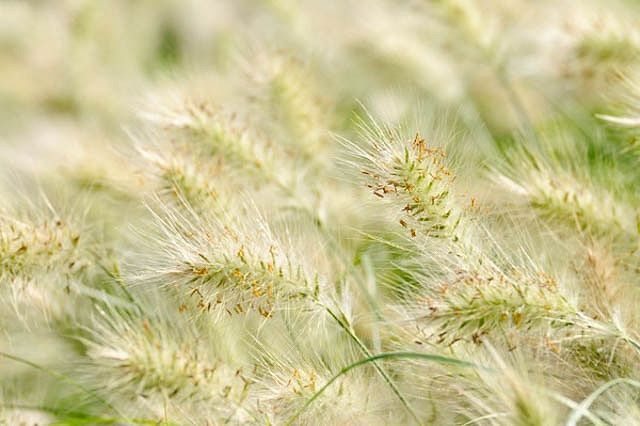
(319, 212)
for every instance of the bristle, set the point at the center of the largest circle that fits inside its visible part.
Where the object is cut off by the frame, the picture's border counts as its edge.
(326, 212)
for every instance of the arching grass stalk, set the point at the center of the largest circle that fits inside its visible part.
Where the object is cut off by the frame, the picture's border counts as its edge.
(580, 411)
(572, 404)
(73, 418)
(372, 359)
(62, 377)
(347, 329)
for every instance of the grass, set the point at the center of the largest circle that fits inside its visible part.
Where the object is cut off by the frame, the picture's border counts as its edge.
(319, 212)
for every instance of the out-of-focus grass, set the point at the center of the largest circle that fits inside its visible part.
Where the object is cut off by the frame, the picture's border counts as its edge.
(268, 212)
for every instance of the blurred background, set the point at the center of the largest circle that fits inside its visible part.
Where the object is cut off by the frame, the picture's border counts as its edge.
(74, 73)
